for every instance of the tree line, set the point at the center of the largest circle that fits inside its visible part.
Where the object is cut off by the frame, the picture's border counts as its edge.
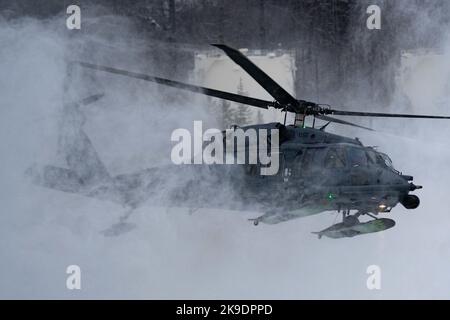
(338, 59)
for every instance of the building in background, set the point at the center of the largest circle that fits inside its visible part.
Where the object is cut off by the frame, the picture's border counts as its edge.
(418, 65)
(215, 70)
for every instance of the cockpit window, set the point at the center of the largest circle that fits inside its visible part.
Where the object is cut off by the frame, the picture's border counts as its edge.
(387, 161)
(371, 157)
(335, 158)
(357, 157)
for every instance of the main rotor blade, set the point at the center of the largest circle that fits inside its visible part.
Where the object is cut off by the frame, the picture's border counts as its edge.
(384, 115)
(275, 90)
(184, 86)
(330, 119)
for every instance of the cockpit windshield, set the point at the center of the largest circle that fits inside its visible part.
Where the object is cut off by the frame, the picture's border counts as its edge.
(387, 161)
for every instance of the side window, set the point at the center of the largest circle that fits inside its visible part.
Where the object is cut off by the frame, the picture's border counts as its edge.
(335, 158)
(308, 160)
(357, 157)
(372, 157)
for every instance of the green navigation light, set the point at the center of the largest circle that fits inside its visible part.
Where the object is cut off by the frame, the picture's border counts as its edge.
(331, 196)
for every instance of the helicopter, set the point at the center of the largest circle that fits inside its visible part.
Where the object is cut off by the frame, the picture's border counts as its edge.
(319, 171)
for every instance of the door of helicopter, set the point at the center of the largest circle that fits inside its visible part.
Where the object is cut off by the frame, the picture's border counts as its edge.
(295, 172)
(361, 166)
(335, 166)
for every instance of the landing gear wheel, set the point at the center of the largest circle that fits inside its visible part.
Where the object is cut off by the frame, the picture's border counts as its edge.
(255, 222)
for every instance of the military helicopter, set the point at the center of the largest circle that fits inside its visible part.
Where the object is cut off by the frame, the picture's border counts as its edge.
(320, 171)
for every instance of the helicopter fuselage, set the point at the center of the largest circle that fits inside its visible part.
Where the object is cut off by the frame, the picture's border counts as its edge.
(319, 171)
